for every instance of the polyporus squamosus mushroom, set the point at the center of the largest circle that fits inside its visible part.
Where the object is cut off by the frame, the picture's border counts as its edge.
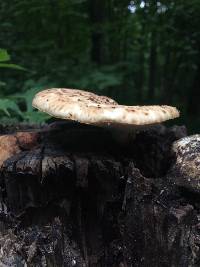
(86, 107)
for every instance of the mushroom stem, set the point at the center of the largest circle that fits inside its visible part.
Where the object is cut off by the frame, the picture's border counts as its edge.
(125, 134)
(122, 135)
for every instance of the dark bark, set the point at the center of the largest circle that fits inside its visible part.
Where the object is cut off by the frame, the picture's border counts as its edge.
(72, 196)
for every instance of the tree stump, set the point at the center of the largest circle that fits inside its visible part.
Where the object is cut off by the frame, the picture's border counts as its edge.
(73, 196)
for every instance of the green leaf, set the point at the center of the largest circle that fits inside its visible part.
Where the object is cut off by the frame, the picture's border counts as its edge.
(4, 56)
(9, 120)
(27, 96)
(2, 83)
(35, 116)
(11, 66)
(7, 105)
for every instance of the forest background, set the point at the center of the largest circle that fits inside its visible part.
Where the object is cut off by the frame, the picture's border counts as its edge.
(137, 52)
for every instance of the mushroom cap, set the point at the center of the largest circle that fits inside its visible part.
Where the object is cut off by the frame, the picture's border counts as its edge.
(89, 108)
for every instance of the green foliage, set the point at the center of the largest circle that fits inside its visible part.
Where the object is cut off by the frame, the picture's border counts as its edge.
(100, 79)
(24, 100)
(10, 110)
(4, 57)
(11, 66)
(35, 116)
(10, 107)
(7, 105)
(19, 108)
(139, 52)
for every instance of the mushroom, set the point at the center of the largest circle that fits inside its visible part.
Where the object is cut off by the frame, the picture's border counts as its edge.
(89, 108)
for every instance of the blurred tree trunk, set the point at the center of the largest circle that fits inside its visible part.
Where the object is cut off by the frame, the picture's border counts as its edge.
(170, 73)
(165, 75)
(97, 18)
(141, 76)
(194, 94)
(140, 79)
(153, 53)
(56, 14)
(117, 13)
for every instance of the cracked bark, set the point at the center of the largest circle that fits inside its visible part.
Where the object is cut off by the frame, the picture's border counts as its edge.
(70, 196)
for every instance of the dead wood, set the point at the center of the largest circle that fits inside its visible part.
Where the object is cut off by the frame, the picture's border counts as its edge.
(72, 196)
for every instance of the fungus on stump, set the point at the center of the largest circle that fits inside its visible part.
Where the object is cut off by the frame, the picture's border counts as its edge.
(89, 108)
(90, 203)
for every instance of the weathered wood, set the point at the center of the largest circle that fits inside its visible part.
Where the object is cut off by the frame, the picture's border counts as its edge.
(71, 196)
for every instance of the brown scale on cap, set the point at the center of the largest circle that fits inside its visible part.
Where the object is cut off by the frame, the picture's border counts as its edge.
(89, 108)
(74, 95)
